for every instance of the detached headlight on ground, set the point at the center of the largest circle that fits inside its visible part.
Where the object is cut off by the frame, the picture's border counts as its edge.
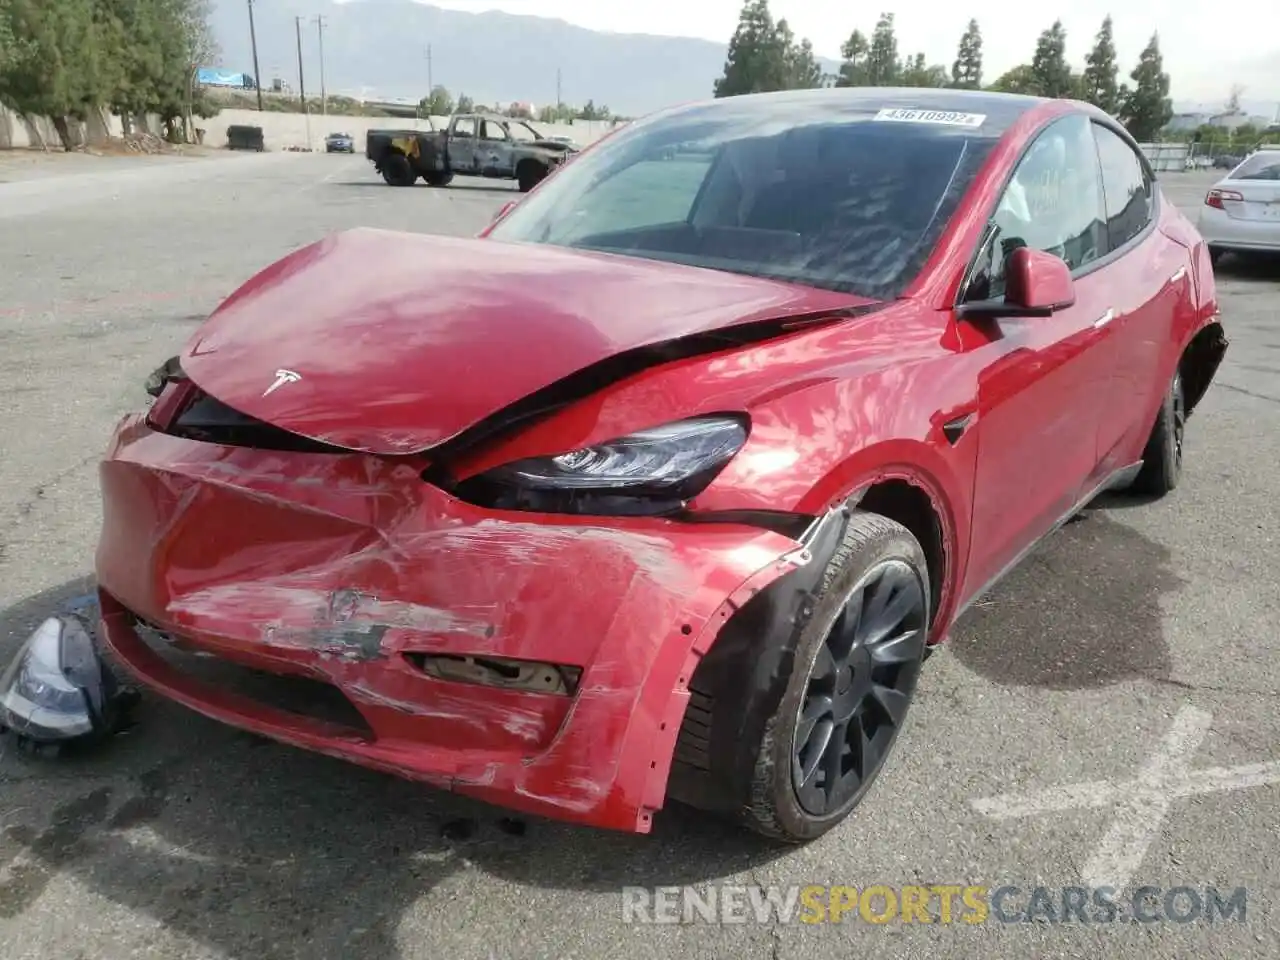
(56, 688)
(647, 472)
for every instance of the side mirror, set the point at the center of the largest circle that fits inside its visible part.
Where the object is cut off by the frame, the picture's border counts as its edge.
(1037, 284)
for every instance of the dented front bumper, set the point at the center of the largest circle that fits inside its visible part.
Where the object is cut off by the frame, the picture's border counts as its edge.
(346, 569)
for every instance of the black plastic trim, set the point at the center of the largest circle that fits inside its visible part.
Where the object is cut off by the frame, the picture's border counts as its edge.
(953, 430)
(741, 680)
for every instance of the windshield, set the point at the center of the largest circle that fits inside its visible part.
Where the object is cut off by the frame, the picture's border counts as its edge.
(830, 197)
(1261, 166)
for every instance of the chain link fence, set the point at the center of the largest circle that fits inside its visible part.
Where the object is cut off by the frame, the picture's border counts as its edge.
(1205, 154)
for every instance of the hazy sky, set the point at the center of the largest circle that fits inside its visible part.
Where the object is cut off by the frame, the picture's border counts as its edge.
(1203, 54)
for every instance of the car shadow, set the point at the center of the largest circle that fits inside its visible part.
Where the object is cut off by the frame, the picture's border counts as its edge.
(452, 188)
(1249, 266)
(252, 848)
(482, 186)
(1082, 611)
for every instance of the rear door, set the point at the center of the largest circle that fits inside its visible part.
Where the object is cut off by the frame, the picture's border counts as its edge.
(1042, 380)
(1257, 181)
(1151, 279)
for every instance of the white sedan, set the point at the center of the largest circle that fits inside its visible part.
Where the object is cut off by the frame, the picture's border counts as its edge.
(1241, 212)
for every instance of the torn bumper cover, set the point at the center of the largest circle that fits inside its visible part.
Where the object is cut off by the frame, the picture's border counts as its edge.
(538, 662)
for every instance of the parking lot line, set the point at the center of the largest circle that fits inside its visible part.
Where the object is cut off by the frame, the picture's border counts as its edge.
(1141, 804)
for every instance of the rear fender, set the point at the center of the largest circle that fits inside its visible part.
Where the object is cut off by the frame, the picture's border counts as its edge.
(1199, 340)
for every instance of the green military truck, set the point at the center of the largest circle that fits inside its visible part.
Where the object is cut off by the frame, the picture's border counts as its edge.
(473, 145)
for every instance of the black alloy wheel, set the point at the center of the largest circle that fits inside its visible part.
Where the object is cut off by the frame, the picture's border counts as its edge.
(1162, 458)
(859, 688)
(852, 667)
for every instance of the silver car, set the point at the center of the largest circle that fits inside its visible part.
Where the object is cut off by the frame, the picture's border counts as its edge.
(1241, 212)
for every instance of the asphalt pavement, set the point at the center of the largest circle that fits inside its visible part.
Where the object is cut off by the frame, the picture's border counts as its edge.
(1135, 645)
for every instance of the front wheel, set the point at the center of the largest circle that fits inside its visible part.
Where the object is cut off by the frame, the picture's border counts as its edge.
(439, 179)
(1162, 458)
(856, 666)
(529, 175)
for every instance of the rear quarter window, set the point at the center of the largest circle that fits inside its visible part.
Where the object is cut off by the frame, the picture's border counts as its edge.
(1126, 187)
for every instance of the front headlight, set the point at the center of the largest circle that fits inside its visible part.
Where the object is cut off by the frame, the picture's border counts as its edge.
(54, 689)
(651, 471)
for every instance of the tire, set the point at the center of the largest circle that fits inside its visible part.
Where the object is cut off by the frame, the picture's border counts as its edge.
(1162, 458)
(438, 179)
(529, 174)
(397, 171)
(876, 555)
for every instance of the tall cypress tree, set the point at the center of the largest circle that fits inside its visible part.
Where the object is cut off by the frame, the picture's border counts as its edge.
(748, 67)
(853, 71)
(1147, 108)
(1049, 65)
(966, 72)
(883, 67)
(1098, 84)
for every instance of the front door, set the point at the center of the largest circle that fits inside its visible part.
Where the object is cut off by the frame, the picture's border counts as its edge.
(1042, 380)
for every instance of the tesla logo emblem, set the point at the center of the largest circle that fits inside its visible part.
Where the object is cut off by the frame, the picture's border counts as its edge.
(282, 377)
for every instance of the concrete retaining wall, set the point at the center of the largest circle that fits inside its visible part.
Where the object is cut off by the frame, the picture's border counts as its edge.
(18, 132)
(280, 130)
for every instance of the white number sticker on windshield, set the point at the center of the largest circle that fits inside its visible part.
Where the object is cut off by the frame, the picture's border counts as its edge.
(947, 117)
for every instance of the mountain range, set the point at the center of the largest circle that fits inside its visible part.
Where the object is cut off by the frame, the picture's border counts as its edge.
(378, 49)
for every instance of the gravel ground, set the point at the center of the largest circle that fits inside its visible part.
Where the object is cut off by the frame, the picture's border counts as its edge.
(1139, 626)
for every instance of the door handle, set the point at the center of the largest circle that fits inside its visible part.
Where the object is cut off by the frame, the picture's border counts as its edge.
(1103, 320)
(1178, 274)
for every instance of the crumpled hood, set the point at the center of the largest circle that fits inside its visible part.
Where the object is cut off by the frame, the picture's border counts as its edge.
(393, 343)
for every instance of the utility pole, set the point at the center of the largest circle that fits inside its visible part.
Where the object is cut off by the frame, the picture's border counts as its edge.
(302, 88)
(257, 74)
(324, 100)
(559, 98)
(431, 86)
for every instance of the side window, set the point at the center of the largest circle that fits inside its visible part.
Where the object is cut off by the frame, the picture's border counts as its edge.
(1126, 185)
(465, 128)
(1053, 202)
(522, 131)
(493, 131)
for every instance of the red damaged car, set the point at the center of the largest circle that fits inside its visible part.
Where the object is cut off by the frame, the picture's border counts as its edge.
(665, 486)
